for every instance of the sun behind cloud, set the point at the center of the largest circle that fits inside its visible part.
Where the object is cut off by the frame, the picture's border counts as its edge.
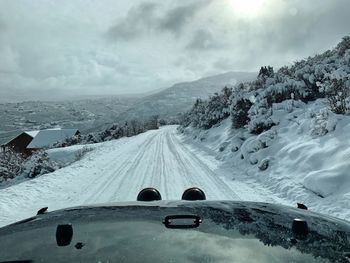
(250, 8)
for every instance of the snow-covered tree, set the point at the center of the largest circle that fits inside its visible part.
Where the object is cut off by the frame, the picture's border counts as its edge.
(151, 124)
(266, 72)
(38, 164)
(239, 111)
(207, 113)
(325, 75)
(344, 46)
(11, 164)
(116, 131)
(260, 118)
(338, 95)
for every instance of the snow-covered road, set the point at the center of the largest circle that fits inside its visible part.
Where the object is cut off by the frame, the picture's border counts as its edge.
(118, 170)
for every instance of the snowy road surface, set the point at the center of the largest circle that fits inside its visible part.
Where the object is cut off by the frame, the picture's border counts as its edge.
(118, 170)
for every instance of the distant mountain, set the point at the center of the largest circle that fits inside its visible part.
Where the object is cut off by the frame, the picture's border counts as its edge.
(180, 97)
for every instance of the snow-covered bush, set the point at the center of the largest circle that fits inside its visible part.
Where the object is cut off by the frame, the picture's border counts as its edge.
(257, 143)
(325, 75)
(264, 164)
(266, 139)
(236, 143)
(239, 112)
(195, 115)
(288, 105)
(217, 108)
(266, 72)
(253, 160)
(11, 164)
(343, 46)
(150, 124)
(82, 152)
(38, 164)
(260, 118)
(322, 122)
(116, 131)
(338, 95)
(259, 125)
(207, 113)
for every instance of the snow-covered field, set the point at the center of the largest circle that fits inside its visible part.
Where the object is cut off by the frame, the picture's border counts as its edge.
(117, 170)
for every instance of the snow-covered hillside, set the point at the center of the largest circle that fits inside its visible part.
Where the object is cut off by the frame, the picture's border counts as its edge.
(292, 160)
(287, 130)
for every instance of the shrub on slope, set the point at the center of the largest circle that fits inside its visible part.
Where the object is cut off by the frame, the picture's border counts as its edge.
(250, 104)
(130, 128)
(11, 164)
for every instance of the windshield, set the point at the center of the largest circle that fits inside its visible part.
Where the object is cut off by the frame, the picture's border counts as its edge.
(103, 102)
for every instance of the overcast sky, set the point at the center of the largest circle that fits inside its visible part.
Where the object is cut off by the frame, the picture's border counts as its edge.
(50, 48)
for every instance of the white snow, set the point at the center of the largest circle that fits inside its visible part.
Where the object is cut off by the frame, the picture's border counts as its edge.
(47, 138)
(302, 167)
(67, 155)
(118, 170)
(32, 133)
(308, 154)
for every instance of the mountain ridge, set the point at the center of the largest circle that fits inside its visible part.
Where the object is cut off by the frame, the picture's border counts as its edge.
(185, 93)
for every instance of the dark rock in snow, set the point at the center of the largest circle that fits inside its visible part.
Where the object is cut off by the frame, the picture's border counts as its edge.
(264, 164)
(234, 149)
(302, 206)
(223, 146)
(253, 160)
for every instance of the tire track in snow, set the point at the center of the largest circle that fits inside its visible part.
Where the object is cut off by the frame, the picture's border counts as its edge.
(205, 177)
(162, 162)
(116, 171)
(183, 168)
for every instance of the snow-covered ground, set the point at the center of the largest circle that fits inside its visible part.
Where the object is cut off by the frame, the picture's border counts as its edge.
(118, 170)
(308, 156)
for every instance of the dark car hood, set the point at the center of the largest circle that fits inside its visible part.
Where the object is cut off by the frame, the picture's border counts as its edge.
(327, 237)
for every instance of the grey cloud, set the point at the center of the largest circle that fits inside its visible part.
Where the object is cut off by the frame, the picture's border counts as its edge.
(144, 19)
(223, 64)
(203, 40)
(311, 29)
(281, 37)
(177, 19)
(2, 27)
(174, 41)
(139, 20)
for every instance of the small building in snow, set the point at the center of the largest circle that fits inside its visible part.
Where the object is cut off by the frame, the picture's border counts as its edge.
(48, 138)
(20, 142)
(30, 141)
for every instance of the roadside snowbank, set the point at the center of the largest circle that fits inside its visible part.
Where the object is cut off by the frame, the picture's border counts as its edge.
(68, 155)
(304, 158)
